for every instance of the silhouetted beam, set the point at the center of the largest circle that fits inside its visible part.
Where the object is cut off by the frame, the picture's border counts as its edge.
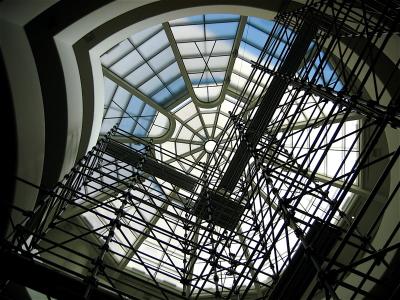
(225, 212)
(151, 166)
(268, 104)
(46, 280)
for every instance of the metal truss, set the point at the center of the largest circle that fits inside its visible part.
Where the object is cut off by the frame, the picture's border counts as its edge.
(264, 221)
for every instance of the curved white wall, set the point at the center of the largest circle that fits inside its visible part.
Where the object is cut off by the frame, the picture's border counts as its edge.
(26, 93)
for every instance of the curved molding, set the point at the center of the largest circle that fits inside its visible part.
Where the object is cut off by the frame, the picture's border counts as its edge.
(188, 83)
(26, 95)
(127, 86)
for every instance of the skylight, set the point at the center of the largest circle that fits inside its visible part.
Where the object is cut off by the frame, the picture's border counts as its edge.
(182, 79)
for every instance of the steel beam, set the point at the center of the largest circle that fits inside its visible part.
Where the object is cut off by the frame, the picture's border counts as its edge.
(268, 104)
(47, 280)
(151, 166)
(318, 122)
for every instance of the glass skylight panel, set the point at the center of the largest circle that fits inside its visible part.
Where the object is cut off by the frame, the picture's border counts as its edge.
(209, 119)
(149, 55)
(242, 68)
(152, 46)
(185, 133)
(205, 47)
(208, 93)
(162, 59)
(186, 111)
(177, 87)
(144, 122)
(207, 78)
(325, 74)
(162, 96)
(127, 64)
(330, 165)
(221, 30)
(115, 53)
(195, 65)
(266, 26)
(133, 116)
(219, 47)
(248, 52)
(197, 128)
(254, 37)
(151, 86)
(218, 63)
(130, 120)
(140, 75)
(195, 123)
(115, 109)
(110, 88)
(170, 73)
(182, 148)
(238, 83)
(263, 24)
(188, 33)
(146, 34)
(227, 106)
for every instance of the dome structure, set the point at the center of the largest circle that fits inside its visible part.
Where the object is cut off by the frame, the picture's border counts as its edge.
(176, 84)
(202, 151)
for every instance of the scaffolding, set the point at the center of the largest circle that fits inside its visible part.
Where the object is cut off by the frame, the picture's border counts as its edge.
(262, 218)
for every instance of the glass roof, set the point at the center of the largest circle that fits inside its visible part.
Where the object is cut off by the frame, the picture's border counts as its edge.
(206, 51)
(176, 83)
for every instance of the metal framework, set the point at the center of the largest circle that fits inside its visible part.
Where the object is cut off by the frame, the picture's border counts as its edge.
(259, 219)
